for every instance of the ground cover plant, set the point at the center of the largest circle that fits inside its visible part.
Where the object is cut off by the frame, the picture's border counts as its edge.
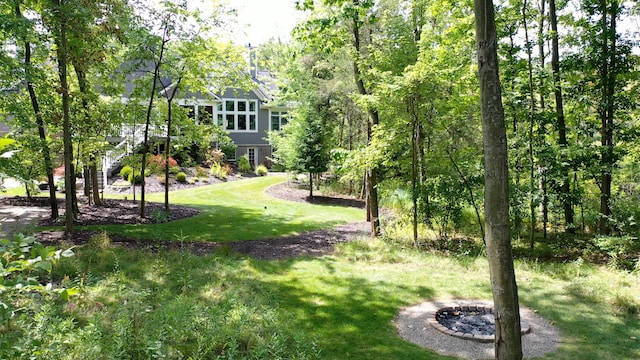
(173, 304)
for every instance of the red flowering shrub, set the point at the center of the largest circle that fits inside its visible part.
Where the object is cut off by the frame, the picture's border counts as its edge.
(156, 164)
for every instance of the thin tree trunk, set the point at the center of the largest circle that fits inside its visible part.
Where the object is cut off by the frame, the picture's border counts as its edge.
(311, 186)
(167, 143)
(532, 111)
(372, 172)
(93, 170)
(61, 53)
(86, 177)
(44, 146)
(543, 174)
(607, 113)
(562, 126)
(147, 125)
(467, 185)
(508, 342)
(414, 176)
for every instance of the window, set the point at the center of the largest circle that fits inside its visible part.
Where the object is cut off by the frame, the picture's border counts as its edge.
(191, 111)
(278, 120)
(238, 114)
(205, 114)
(251, 154)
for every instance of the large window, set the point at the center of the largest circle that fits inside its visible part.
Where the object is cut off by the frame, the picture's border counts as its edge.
(278, 120)
(202, 113)
(238, 115)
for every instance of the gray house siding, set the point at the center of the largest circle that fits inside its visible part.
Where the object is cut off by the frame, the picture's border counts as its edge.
(236, 111)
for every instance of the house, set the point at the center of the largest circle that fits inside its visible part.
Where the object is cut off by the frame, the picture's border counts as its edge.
(248, 116)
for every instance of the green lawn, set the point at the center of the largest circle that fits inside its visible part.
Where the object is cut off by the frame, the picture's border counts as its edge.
(238, 210)
(144, 304)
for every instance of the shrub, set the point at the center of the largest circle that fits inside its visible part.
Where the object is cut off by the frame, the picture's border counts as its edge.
(214, 156)
(201, 172)
(125, 171)
(135, 177)
(218, 171)
(261, 170)
(227, 169)
(26, 267)
(156, 164)
(181, 177)
(243, 164)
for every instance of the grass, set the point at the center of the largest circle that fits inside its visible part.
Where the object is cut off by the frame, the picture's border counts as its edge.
(236, 211)
(144, 304)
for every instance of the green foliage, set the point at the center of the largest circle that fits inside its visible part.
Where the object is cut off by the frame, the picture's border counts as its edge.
(261, 170)
(125, 172)
(623, 251)
(244, 166)
(181, 177)
(218, 171)
(25, 265)
(135, 177)
(160, 216)
(201, 172)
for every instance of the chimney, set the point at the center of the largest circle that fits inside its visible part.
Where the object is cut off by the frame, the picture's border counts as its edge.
(253, 61)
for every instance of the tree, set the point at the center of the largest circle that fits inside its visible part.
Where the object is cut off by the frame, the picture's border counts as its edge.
(346, 22)
(508, 342)
(312, 150)
(44, 147)
(59, 12)
(197, 66)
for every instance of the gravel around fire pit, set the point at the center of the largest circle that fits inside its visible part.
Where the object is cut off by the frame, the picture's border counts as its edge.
(413, 325)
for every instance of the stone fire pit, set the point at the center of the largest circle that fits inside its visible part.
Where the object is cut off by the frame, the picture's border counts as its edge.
(472, 322)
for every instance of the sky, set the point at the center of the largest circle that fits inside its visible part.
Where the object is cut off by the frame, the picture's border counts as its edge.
(264, 19)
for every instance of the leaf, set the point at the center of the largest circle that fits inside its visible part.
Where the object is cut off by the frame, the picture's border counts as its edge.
(44, 265)
(66, 294)
(68, 253)
(4, 142)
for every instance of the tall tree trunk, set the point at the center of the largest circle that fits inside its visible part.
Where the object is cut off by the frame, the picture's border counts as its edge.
(147, 125)
(565, 188)
(44, 146)
(61, 53)
(372, 172)
(414, 172)
(532, 116)
(608, 75)
(84, 91)
(508, 342)
(543, 174)
(311, 186)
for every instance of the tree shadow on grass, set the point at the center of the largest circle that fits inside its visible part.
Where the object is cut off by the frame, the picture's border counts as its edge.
(590, 328)
(351, 316)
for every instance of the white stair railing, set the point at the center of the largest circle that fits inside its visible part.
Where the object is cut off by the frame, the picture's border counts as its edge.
(132, 137)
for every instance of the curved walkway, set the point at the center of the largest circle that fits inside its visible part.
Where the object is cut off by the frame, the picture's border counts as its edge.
(15, 219)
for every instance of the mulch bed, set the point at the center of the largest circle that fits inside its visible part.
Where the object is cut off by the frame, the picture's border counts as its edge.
(311, 243)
